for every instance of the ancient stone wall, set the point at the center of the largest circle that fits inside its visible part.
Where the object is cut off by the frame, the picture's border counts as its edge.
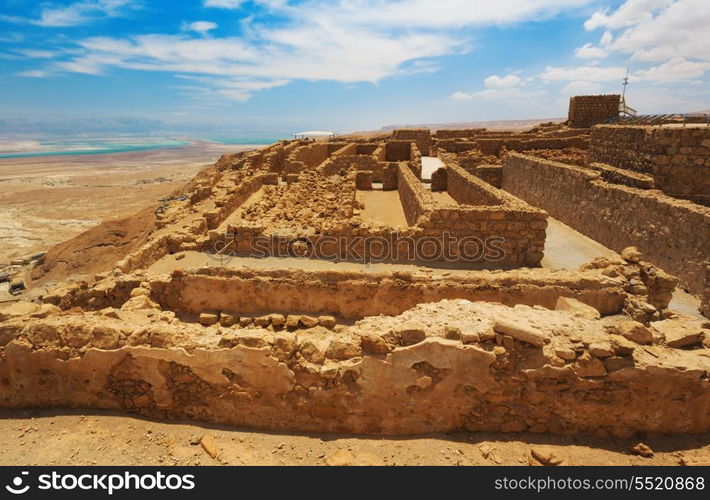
(677, 158)
(467, 189)
(673, 234)
(422, 137)
(354, 295)
(445, 366)
(311, 156)
(494, 146)
(459, 133)
(415, 198)
(398, 151)
(588, 110)
(516, 229)
(622, 176)
(492, 174)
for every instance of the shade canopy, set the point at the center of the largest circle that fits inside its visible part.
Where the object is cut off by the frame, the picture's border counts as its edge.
(314, 133)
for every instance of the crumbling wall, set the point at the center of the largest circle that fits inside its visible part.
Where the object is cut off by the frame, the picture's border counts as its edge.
(588, 110)
(511, 232)
(677, 158)
(673, 234)
(474, 366)
(421, 136)
(467, 189)
(415, 198)
(398, 151)
(496, 145)
(311, 156)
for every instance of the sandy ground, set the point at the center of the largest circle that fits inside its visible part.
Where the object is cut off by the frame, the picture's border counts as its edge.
(73, 438)
(383, 207)
(46, 200)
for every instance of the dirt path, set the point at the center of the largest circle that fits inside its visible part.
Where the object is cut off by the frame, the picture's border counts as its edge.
(72, 438)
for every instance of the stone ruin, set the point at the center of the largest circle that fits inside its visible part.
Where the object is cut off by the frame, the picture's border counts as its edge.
(341, 286)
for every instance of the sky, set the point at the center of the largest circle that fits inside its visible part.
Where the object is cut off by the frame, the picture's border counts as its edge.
(205, 66)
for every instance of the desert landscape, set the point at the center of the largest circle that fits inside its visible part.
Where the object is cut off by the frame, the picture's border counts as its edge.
(408, 297)
(45, 200)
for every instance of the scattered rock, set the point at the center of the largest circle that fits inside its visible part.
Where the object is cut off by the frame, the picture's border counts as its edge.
(278, 320)
(621, 345)
(210, 445)
(541, 455)
(326, 321)
(292, 321)
(587, 366)
(228, 319)
(343, 349)
(20, 308)
(374, 344)
(631, 254)
(208, 318)
(642, 450)
(262, 321)
(601, 350)
(308, 321)
(678, 333)
(410, 332)
(566, 353)
(635, 332)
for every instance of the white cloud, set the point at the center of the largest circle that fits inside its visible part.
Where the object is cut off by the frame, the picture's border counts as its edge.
(80, 12)
(589, 51)
(677, 69)
(580, 87)
(510, 94)
(495, 82)
(630, 13)
(346, 41)
(658, 30)
(584, 73)
(223, 4)
(201, 27)
(34, 73)
(606, 39)
(461, 96)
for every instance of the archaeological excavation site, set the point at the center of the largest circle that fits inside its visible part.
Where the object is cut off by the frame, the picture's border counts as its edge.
(552, 281)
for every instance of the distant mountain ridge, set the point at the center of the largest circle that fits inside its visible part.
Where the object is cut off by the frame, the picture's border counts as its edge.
(492, 124)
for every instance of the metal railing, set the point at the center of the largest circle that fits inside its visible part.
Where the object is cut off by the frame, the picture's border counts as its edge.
(662, 119)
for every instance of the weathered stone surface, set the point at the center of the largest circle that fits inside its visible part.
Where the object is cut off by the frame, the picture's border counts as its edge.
(635, 332)
(374, 344)
(522, 332)
(326, 321)
(227, 319)
(341, 348)
(631, 254)
(577, 308)
(587, 366)
(601, 349)
(208, 318)
(411, 332)
(680, 334)
(308, 321)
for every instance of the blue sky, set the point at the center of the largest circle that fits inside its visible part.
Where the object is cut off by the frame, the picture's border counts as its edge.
(200, 66)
